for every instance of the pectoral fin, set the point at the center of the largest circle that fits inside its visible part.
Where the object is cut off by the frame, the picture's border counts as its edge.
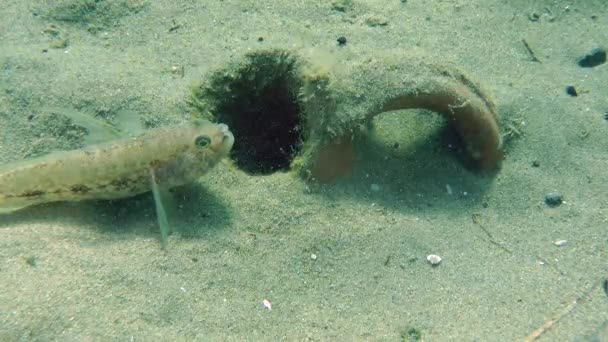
(165, 205)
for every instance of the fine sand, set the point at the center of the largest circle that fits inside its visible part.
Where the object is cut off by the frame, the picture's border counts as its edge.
(344, 261)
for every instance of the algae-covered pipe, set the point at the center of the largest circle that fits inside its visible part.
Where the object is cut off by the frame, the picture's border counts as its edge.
(291, 111)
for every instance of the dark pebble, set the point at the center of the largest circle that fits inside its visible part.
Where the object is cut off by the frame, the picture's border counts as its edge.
(553, 199)
(342, 41)
(570, 90)
(596, 57)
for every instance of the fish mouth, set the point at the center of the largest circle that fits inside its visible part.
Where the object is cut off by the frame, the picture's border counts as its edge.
(227, 139)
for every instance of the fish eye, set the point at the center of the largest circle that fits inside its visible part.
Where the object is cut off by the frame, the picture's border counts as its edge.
(202, 141)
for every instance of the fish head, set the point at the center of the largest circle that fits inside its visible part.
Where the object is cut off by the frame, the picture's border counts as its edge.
(210, 140)
(189, 152)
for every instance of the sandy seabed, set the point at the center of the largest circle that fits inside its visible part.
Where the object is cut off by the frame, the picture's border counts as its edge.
(345, 261)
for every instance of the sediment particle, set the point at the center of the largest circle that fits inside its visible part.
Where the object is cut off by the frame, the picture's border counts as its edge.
(554, 199)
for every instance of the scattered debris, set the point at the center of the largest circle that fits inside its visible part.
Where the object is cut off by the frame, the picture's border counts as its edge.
(533, 16)
(560, 243)
(59, 43)
(569, 309)
(376, 20)
(342, 5)
(433, 259)
(266, 304)
(448, 189)
(411, 335)
(596, 57)
(32, 261)
(554, 199)
(477, 220)
(530, 51)
(514, 128)
(177, 69)
(388, 259)
(174, 27)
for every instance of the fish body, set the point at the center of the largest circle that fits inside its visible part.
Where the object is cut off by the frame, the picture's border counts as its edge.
(122, 168)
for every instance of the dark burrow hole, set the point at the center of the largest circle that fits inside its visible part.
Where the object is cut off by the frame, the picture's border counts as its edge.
(259, 102)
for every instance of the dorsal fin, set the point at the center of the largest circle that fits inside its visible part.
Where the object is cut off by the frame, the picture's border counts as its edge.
(99, 131)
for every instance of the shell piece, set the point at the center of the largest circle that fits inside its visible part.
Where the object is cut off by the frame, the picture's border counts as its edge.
(560, 243)
(433, 259)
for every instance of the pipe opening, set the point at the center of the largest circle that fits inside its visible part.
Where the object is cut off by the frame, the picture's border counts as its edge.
(258, 100)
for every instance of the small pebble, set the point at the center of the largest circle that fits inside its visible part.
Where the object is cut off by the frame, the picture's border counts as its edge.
(433, 259)
(560, 243)
(313, 256)
(553, 199)
(266, 304)
(571, 90)
(341, 40)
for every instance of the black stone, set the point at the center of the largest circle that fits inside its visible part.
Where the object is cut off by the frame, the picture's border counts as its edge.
(553, 199)
(596, 57)
(341, 40)
(570, 90)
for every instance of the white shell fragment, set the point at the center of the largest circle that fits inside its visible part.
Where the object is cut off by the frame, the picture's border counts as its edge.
(433, 259)
(560, 243)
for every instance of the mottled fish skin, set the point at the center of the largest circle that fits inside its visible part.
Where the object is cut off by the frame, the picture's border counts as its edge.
(117, 169)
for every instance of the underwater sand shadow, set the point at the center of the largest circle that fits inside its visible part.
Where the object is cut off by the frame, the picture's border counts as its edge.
(135, 216)
(414, 172)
